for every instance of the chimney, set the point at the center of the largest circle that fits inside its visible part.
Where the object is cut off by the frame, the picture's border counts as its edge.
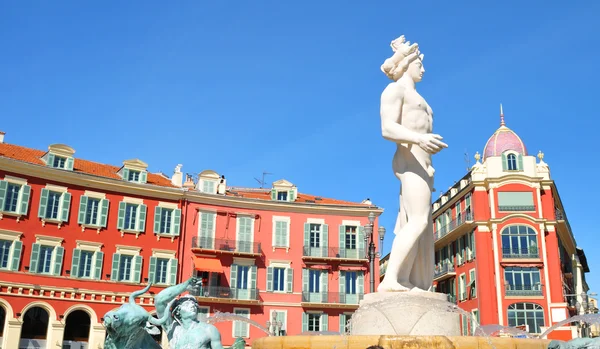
(177, 177)
(189, 182)
(2, 136)
(222, 187)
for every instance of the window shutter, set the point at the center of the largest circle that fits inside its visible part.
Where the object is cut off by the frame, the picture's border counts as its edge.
(324, 239)
(324, 322)
(233, 276)
(520, 162)
(360, 236)
(291, 196)
(269, 279)
(103, 212)
(361, 284)
(114, 275)
(173, 271)
(273, 194)
(143, 177)
(152, 270)
(137, 268)
(121, 220)
(16, 256)
(305, 276)
(125, 174)
(504, 162)
(343, 328)
(342, 241)
(307, 239)
(176, 222)
(82, 209)
(98, 268)
(253, 289)
(50, 160)
(34, 259)
(290, 280)
(342, 287)
(66, 204)
(3, 186)
(324, 287)
(304, 322)
(69, 164)
(43, 203)
(157, 213)
(141, 224)
(25, 192)
(58, 260)
(75, 263)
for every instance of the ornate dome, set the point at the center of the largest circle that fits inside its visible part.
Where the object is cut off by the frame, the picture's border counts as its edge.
(502, 140)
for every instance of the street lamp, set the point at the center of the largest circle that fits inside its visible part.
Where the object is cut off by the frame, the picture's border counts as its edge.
(583, 305)
(276, 329)
(370, 241)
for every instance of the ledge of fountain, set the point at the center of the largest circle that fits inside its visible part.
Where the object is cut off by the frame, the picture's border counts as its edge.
(397, 342)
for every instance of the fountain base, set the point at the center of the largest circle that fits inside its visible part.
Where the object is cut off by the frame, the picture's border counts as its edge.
(397, 342)
(405, 313)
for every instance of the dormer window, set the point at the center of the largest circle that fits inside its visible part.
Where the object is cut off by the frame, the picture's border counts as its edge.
(59, 156)
(512, 162)
(59, 162)
(208, 182)
(282, 196)
(208, 186)
(283, 191)
(134, 171)
(134, 176)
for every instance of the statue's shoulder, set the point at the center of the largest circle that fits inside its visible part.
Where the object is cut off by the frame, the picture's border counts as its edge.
(392, 91)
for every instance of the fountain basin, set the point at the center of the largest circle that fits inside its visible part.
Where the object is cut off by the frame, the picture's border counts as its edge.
(397, 342)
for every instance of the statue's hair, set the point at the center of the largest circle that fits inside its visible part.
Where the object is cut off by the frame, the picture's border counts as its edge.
(395, 66)
(179, 302)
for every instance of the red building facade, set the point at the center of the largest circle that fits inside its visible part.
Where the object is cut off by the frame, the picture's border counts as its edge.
(77, 237)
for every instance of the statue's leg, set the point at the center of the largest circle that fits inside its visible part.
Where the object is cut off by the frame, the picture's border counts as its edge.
(422, 273)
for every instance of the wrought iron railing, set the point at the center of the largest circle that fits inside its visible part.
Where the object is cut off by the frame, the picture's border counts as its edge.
(444, 268)
(226, 245)
(455, 223)
(225, 292)
(334, 252)
(523, 290)
(531, 252)
(331, 297)
(515, 208)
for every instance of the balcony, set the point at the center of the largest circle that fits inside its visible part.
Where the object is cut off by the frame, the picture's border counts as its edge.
(523, 290)
(444, 271)
(456, 227)
(334, 253)
(521, 253)
(228, 246)
(221, 294)
(563, 222)
(331, 300)
(512, 208)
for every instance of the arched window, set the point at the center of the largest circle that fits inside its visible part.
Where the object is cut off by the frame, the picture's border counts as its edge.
(511, 161)
(34, 329)
(530, 314)
(77, 328)
(519, 241)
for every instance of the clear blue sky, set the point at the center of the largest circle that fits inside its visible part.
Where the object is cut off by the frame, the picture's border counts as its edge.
(292, 87)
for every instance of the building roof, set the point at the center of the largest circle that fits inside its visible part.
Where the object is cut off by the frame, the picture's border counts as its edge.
(502, 140)
(265, 194)
(33, 156)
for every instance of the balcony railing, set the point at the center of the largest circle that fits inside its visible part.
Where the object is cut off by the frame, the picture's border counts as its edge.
(455, 223)
(513, 208)
(225, 293)
(444, 268)
(561, 216)
(531, 252)
(332, 297)
(334, 252)
(226, 245)
(523, 290)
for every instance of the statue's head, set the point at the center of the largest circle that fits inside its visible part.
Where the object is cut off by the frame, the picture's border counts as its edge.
(406, 60)
(185, 307)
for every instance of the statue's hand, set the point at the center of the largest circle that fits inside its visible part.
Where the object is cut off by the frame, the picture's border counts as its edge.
(431, 143)
(193, 283)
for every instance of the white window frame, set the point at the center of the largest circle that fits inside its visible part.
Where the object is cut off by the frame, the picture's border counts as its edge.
(62, 191)
(89, 246)
(316, 312)
(472, 281)
(12, 236)
(285, 220)
(462, 287)
(281, 264)
(130, 251)
(99, 196)
(52, 241)
(235, 323)
(165, 254)
(138, 202)
(21, 182)
(246, 262)
(203, 182)
(357, 225)
(237, 228)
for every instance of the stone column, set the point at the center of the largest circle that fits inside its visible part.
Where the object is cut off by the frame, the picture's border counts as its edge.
(97, 334)
(56, 331)
(12, 334)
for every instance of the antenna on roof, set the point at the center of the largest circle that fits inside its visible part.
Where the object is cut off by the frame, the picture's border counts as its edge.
(262, 182)
(467, 161)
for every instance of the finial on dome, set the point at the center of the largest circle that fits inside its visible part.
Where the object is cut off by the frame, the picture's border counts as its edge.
(501, 116)
(477, 156)
(540, 156)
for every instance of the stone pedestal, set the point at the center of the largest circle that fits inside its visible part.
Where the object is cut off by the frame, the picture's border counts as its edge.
(405, 313)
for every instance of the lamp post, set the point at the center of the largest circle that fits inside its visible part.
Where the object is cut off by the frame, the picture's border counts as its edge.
(583, 305)
(370, 242)
(276, 329)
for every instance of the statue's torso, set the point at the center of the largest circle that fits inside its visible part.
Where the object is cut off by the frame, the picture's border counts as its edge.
(194, 337)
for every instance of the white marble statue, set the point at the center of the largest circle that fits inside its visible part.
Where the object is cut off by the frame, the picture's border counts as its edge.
(407, 120)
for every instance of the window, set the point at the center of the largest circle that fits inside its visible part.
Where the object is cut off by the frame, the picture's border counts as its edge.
(519, 241)
(54, 205)
(126, 265)
(14, 196)
(352, 287)
(511, 160)
(280, 316)
(515, 201)
(161, 271)
(314, 281)
(46, 256)
(87, 260)
(242, 276)
(464, 324)
(131, 175)
(313, 322)
(241, 329)
(351, 281)
(462, 285)
(350, 237)
(93, 210)
(474, 321)
(530, 314)
(4, 253)
(243, 279)
(279, 279)
(91, 213)
(315, 235)
(85, 264)
(134, 176)
(282, 196)
(281, 232)
(207, 229)
(345, 323)
(472, 284)
(208, 187)
(244, 234)
(132, 216)
(59, 162)
(45, 261)
(522, 281)
(167, 220)
(163, 267)
(314, 286)
(10, 250)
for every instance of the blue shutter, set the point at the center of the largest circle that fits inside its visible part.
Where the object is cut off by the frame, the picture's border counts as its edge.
(82, 209)
(75, 263)
(137, 268)
(143, 177)
(43, 203)
(103, 212)
(66, 204)
(176, 222)
(98, 266)
(69, 164)
(25, 192)
(173, 272)
(305, 276)
(125, 173)
(152, 271)
(35, 256)
(307, 247)
(324, 322)
(141, 226)
(342, 231)
(121, 219)
(290, 280)
(50, 160)
(114, 274)
(58, 260)
(324, 286)
(269, 279)
(157, 212)
(3, 186)
(16, 257)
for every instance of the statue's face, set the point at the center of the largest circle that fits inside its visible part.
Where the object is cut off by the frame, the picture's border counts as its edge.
(188, 310)
(415, 70)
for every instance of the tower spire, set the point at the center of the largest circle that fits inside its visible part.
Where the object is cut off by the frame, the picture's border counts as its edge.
(501, 116)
